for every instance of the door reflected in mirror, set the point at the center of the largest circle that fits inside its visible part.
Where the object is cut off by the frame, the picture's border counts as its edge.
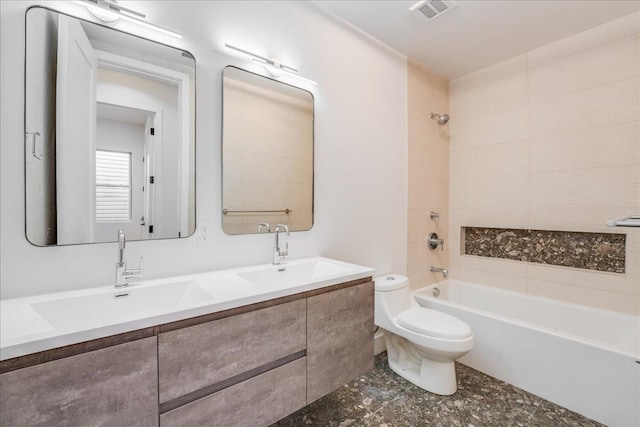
(267, 154)
(109, 134)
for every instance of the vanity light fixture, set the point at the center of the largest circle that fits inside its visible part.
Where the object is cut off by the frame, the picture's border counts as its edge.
(109, 11)
(272, 65)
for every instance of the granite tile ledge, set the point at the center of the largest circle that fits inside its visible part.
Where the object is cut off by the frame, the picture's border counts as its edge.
(589, 251)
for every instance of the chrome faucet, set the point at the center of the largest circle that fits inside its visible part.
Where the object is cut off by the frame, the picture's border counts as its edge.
(434, 242)
(279, 254)
(122, 274)
(264, 225)
(444, 271)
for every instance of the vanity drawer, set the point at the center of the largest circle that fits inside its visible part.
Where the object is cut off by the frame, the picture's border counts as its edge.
(116, 385)
(339, 338)
(197, 357)
(259, 401)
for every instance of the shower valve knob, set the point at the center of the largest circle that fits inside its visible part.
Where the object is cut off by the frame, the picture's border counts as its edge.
(433, 242)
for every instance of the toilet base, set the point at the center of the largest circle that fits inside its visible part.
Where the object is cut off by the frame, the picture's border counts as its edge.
(406, 360)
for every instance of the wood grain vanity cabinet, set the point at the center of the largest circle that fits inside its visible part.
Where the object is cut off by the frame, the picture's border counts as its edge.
(339, 338)
(261, 400)
(195, 358)
(224, 371)
(116, 385)
(247, 366)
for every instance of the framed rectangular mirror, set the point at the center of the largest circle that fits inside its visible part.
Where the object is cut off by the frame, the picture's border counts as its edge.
(267, 154)
(109, 134)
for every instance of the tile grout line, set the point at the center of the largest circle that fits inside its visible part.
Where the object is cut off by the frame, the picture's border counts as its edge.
(549, 98)
(542, 64)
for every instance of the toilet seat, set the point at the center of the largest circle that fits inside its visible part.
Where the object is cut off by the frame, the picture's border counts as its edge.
(434, 324)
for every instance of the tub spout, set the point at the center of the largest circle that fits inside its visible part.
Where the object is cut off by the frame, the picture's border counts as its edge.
(444, 271)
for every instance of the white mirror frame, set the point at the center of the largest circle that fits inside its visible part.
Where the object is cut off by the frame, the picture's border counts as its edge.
(120, 63)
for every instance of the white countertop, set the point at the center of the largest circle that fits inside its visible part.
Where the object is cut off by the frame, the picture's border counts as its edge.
(43, 322)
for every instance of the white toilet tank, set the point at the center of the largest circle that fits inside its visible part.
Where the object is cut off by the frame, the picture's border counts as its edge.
(392, 296)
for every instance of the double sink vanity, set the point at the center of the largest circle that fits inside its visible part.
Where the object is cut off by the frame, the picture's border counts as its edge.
(238, 347)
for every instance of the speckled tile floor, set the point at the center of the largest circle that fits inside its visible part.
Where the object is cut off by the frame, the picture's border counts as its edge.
(382, 398)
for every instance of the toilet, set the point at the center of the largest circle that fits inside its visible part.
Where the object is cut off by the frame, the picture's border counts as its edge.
(422, 344)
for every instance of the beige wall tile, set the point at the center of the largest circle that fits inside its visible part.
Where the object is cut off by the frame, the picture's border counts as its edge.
(610, 145)
(297, 194)
(604, 300)
(454, 260)
(607, 33)
(495, 96)
(420, 278)
(494, 265)
(426, 191)
(417, 92)
(417, 127)
(419, 261)
(593, 219)
(432, 79)
(426, 136)
(508, 216)
(454, 243)
(420, 256)
(439, 225)
(425, 133)
(551, 140)
(232, 189)
(586, 188)
(633, 243)
(426, 93)
(429, 162)
(603, 105)
(261, 127)
(419, 224)
(489, 193)
(602, 65)
(266, 166)
(509, 158)
(507, 125)
(608, 282)
(301, 218)
(233, 164)
(299, 171)
(492, 73)
(428, 173)
(487, 278)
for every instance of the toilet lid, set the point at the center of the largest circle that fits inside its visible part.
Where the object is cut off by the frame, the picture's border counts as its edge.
(434, 323)
(390, 282)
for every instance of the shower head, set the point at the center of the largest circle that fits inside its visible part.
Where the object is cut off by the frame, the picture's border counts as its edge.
(442, 119)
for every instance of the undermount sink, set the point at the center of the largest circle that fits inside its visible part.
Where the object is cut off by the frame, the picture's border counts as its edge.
(121, 304)
(290, 274)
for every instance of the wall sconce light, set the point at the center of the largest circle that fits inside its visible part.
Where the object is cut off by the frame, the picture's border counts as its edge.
(272, 65)
(109, 11)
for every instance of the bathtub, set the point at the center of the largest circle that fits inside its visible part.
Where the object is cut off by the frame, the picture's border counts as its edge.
(584, 359)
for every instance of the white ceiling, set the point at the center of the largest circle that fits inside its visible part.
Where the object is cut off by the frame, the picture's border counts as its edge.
(477, 33)
(121, 114)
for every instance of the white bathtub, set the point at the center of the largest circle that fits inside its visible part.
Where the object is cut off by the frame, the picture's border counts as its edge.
(584, 359)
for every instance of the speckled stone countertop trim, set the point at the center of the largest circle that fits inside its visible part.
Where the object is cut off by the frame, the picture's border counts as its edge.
(589, 251)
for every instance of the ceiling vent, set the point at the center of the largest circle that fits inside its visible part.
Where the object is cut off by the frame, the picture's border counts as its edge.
(429, 9)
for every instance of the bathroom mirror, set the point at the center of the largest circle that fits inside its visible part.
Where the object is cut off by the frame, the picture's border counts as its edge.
(267, 154)
(109, 134)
